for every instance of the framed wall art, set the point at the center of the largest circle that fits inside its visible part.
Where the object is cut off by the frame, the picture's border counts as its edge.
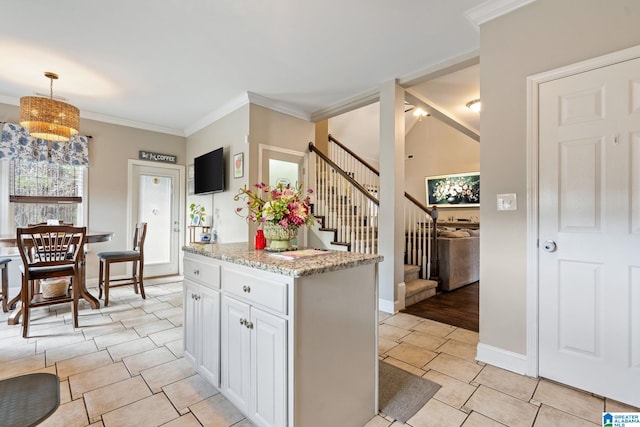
(455, 190)
(238, 165)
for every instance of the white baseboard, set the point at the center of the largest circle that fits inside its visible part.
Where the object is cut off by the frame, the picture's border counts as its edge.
(386, 306)
(501, 358)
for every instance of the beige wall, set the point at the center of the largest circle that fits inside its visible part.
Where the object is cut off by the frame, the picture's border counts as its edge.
(242, 131)
(541, 36)
(229, 132)
(439, 149)
(109, 151)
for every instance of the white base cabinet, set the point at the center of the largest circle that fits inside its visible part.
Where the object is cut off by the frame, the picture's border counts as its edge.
(254, 361)
(293, 351)
(201, 324)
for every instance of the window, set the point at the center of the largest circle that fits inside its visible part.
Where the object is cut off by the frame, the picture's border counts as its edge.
(37, 191)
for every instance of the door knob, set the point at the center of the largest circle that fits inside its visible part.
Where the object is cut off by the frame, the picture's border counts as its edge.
(549, 246)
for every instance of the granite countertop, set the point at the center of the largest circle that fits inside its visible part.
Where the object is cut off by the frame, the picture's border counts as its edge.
(244, 254)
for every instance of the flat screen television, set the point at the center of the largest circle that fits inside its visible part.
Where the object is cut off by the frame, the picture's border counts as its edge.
(208, 172)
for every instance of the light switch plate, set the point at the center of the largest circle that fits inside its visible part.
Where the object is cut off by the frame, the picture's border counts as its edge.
(507, 202)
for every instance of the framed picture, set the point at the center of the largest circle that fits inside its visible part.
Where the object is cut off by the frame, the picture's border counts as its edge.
(195, 220)
(238, 165)
(455, 191)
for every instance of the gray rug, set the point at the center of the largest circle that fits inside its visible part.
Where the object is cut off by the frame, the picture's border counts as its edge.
(402, 394)
(28, 399)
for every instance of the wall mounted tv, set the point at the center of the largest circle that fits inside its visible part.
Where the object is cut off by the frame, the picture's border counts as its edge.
(208, 172)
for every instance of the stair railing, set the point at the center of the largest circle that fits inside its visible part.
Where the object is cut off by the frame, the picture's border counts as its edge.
(345, 206)
(363, 172)
(421, 245)
(420, 220)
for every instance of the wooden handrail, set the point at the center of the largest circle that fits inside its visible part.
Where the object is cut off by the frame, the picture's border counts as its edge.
(345, 175)
(433, 212)
(358, 158)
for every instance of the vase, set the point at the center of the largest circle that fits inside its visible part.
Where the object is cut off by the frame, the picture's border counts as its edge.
(279, 237)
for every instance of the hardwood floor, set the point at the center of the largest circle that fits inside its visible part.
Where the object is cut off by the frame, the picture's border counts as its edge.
(457, 308)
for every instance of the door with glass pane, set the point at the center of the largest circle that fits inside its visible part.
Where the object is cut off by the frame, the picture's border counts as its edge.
(283, 166)
(155, 199)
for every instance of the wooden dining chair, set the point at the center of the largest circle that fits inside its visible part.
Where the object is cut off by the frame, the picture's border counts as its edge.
(4, 266)
(135, 256)
(50, 251)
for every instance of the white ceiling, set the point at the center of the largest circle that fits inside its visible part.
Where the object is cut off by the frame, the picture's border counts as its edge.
(173, 65)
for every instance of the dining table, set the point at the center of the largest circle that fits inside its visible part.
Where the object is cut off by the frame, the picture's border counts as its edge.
(92, 237)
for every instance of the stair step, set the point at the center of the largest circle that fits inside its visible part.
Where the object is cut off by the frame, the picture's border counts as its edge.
(411, 272)
(419, 290)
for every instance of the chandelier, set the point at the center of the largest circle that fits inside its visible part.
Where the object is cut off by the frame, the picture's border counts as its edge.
(47, 118)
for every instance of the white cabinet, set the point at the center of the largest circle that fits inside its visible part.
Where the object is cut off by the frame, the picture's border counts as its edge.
(288, 346)
(254, 358)
(202, 319)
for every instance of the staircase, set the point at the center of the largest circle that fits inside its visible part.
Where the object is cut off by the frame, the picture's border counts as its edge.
(417, 289)
(347, 205)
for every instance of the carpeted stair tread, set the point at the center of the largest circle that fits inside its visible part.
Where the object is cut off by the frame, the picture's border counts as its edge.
(420, 285)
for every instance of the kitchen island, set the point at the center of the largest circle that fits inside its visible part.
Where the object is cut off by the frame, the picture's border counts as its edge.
(288, 342)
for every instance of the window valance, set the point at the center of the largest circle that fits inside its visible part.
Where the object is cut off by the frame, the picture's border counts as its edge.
(17, 144)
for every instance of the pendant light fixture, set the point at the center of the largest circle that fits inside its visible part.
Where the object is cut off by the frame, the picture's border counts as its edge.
(47, 118)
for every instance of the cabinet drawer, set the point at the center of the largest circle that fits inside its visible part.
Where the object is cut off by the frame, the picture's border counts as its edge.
(259, 292)
(203, 273)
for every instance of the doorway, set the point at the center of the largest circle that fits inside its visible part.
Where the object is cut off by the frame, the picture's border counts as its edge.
(586, 268)
(155, 198)
(283, 166)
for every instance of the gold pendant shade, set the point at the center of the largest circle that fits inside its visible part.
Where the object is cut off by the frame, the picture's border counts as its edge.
(47, 118)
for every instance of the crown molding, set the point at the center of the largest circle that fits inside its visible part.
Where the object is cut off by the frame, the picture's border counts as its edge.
(216, 115)
(129, 123)
(349, 104)
(492, 9)
(9, 100)
(278, 106)
(89, 115)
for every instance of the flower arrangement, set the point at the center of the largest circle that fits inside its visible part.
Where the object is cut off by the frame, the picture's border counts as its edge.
(280, 205)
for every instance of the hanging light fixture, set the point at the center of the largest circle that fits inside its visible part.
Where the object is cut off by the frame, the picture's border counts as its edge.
(474, 105)
(47, 118)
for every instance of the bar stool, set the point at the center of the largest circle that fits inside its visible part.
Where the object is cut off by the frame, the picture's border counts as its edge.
(5, 282)
(135, 256)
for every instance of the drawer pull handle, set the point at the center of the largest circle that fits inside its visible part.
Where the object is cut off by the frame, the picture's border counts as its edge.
(196, 272)
(249, 325)
(246, 288)
(243, 321)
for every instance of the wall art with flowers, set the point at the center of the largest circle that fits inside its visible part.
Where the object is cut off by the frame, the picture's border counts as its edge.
(456, 190)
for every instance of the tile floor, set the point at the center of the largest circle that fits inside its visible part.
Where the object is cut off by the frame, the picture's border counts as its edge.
(124, 367)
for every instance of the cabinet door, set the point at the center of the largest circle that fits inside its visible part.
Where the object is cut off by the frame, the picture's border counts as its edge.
(191, 322)
(235, 346)
(268, 369)
(209, 324)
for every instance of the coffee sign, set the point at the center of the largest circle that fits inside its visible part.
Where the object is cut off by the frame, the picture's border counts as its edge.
(157, 157)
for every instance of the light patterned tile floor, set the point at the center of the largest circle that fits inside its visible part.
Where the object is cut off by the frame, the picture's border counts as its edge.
(124, 367)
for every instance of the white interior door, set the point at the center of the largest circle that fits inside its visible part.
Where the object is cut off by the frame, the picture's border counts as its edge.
(589, 231)
(156, 199)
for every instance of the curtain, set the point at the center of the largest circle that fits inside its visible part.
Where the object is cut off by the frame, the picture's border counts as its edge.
(17, 144)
